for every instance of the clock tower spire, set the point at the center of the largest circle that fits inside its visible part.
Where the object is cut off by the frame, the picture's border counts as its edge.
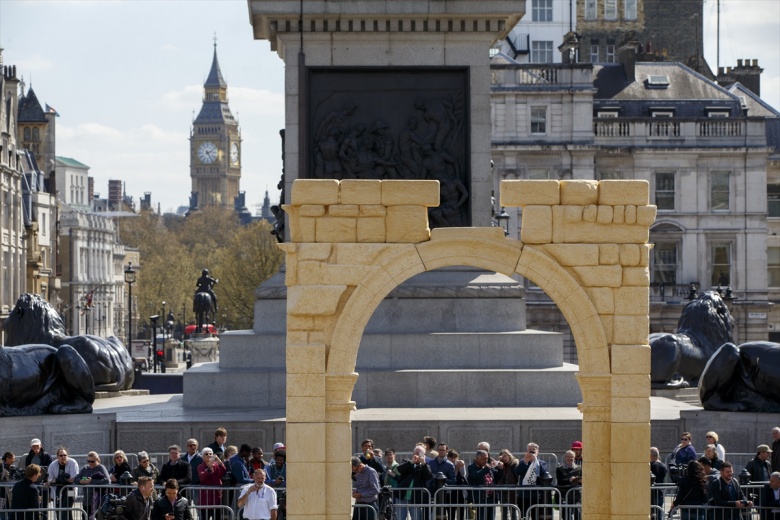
(215, 145)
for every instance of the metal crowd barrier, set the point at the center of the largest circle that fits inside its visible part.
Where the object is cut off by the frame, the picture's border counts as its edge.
(231, 515)
(229, 494)
(738, 460)
(20, 514)
(707, 512)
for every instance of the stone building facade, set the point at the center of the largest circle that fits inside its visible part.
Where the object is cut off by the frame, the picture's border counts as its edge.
(705, 161)
(92, 279)
(12, 235)
(536, 37)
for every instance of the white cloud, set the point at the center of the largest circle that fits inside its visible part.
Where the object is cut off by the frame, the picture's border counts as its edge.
(254, 102)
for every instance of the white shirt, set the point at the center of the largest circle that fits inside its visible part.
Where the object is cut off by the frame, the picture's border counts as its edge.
(259, 503)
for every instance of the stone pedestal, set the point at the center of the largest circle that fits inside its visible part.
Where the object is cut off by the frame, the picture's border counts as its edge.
(204, 348)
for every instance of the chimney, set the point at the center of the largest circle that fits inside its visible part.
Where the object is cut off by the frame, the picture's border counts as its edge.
(627, 51)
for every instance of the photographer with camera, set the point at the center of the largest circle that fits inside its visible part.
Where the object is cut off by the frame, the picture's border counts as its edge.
(61, 473)
(726, 492)
(139, 502)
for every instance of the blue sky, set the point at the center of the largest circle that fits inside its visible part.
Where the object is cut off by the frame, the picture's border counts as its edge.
(126, 77)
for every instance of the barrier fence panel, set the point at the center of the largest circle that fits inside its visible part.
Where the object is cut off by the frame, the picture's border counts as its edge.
(212, 495)
(214, 512)
(707, 512)
(50, 512)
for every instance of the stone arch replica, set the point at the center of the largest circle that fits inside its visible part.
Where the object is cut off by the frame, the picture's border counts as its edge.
(583, 242)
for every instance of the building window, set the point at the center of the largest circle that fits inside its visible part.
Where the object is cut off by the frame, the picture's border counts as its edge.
(630, 9)
(541, 52)
(43, 224)
(773, 200)
(594, 53)
(664, 190)
(538, 173)
(27, 133)
(773, 266)
(538, 120)
(542, 11)
(36, 135)
(610, 54)
(610, 175)
(610, 9)
(665, 263)
(719, 191)
(591, 11)
(720, 260)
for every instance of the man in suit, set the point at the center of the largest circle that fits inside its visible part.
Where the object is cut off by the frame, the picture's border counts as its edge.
(194, 459)
(175, 468)
(220, 442)
(727, 495)
(770, 498)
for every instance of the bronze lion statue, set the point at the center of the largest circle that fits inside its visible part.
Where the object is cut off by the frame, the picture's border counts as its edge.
(679, 359)
(742, 379)
(34, 320)
(40, 379)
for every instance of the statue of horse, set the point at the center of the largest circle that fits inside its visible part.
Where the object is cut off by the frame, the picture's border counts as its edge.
(742, 379)
(34, 320)
(677, 360)
(203, 308)
(41, 379)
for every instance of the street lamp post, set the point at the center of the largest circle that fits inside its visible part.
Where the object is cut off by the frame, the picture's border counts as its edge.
(129, 280)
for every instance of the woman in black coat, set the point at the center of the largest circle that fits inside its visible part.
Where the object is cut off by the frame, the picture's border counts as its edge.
(692, 491)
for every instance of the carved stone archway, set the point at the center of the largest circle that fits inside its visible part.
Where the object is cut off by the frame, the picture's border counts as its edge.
(583, 242)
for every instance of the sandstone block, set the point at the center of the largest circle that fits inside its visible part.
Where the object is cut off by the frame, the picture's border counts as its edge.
(630, 409)
(629, 255)
(629, 330)
(446, 233)
(615, 192)
(305, 409)
(589, 213)
(609, 254)
(604, 214)
(630, 359)
(305, 359)
(630, 214)
(299, 323)
(311, 210)
(530, 192)
(338, 441)
(607, 233)
(410, 193)
(307, 441)
(491, 254)
(644, 254)
(372, 210)
(537, 224)
(316, 300)
(574, 254)
(371, 229)
(314, 191)
(579, 192)
(631, 385)
(310, 501)
(627, 499)
(636, 276)
(571, 214)
(628, 439)
(600, 276)
(603, 299)
(314, 251)
(608, 323)
(360, 191)
(632, 300)
(303, 385)
(618, 214)
(645, 215)
(406, 224)
(343, 210)
(336, 229)
(307, 229)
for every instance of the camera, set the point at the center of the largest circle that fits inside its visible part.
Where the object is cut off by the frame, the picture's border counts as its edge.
(62, 479)
(113, 506)
(744, 502)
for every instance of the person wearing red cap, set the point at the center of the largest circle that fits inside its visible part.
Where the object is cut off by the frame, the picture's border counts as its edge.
(576, 447)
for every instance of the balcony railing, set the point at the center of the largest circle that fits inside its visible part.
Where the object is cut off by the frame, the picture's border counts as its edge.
(644, 131)
(661, 292)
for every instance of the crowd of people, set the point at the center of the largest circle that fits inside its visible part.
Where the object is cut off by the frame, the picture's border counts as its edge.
(239, 477)
(709, 479)
(41, 479)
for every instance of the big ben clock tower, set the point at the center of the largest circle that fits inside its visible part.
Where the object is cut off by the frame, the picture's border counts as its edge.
(215, 146)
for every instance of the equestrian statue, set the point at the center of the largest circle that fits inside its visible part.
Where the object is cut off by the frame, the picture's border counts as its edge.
(204, 304)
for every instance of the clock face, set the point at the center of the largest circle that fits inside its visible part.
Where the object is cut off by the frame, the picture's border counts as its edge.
(234, 153)
(207, 152)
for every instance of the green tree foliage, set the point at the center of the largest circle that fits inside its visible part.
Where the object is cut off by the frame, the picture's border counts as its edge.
(174, 251)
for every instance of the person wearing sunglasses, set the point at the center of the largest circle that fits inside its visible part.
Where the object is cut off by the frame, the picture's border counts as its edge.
(145, 468)
(62, 472)
(93, 473)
